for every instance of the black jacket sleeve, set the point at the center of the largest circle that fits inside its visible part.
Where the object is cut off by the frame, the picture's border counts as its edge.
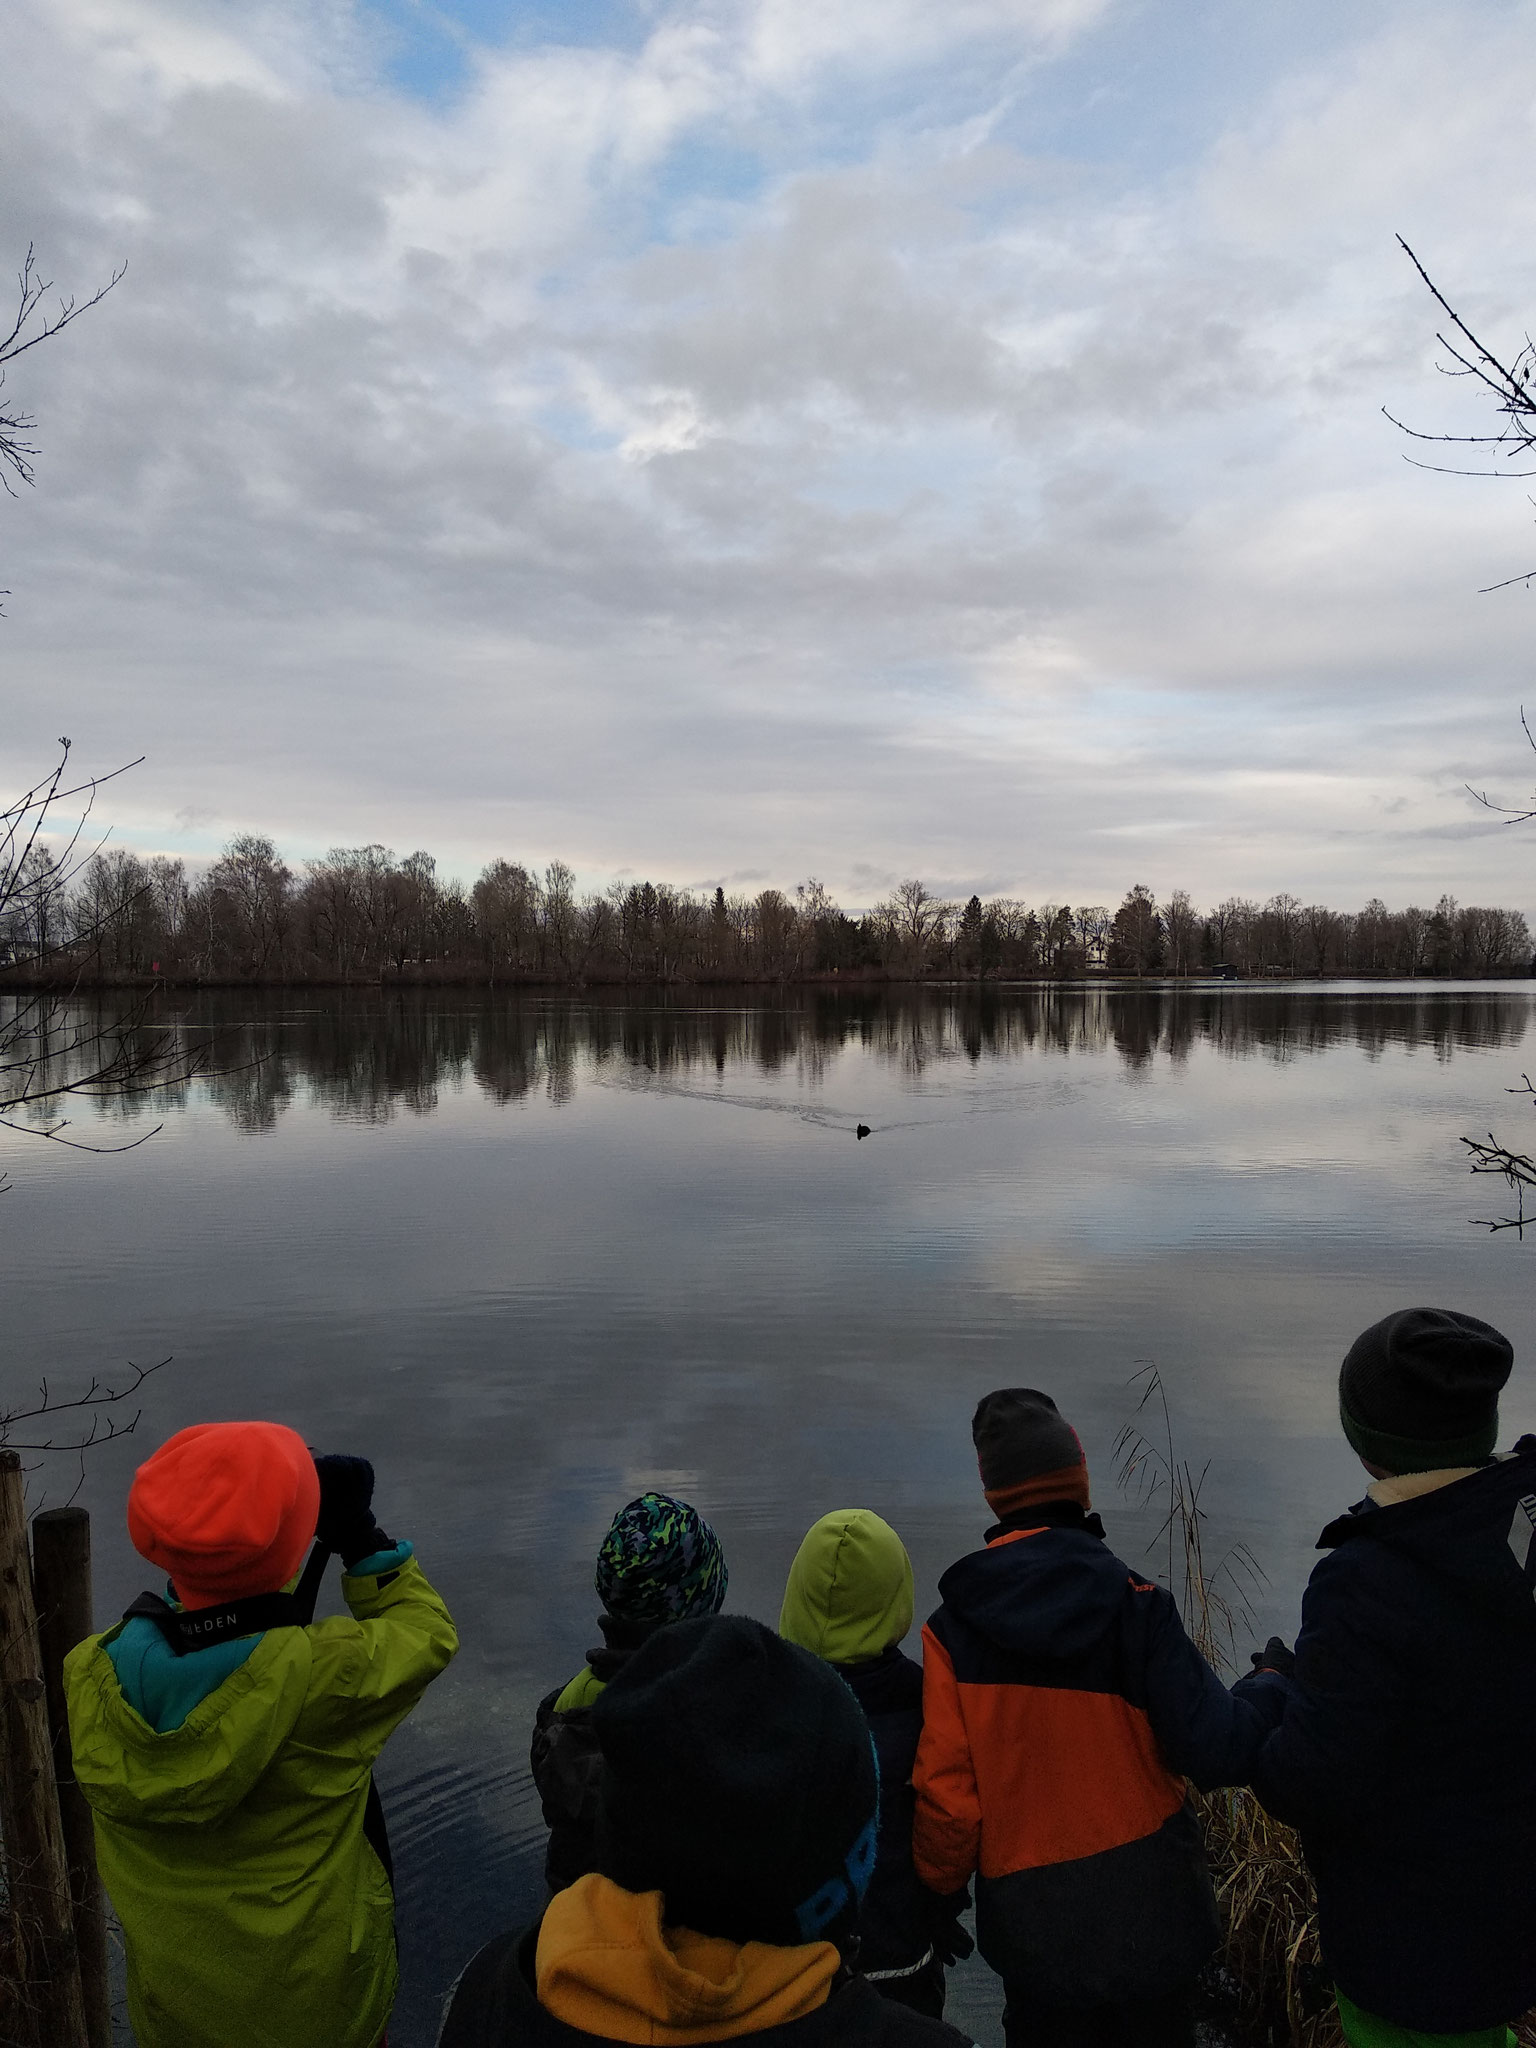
(1334, 1756)
(1204, 1731)
(567, 1768)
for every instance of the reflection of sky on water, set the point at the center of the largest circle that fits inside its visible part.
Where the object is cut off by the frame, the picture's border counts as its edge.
(532, 1258)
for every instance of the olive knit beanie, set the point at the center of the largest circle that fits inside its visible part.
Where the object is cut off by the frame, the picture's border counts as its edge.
(739, 1780)
(1027, 1452)
(1420, 1390)
(660, 1561)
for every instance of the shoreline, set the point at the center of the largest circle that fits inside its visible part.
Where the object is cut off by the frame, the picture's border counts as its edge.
(458, 975)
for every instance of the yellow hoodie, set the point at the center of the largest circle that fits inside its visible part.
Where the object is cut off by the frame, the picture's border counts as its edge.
(607, 1965)
(850, 1593)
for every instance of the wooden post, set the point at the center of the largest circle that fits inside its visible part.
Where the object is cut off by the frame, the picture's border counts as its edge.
(36, 1866)
(61, 1586)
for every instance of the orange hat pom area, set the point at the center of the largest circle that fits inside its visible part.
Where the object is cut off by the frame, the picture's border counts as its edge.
(226, 1509)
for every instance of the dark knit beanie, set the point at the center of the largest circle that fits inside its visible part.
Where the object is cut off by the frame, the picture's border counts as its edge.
(1028, 1453)
(739, 1780)
(1420, 1390)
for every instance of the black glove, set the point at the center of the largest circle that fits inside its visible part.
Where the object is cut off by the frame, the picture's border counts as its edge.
(346, 1523)
(1275, 1657)
(951, 1943)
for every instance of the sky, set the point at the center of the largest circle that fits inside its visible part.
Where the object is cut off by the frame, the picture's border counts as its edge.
(740, 440)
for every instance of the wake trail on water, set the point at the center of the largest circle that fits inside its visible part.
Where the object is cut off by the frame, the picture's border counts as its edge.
(1018, 1100)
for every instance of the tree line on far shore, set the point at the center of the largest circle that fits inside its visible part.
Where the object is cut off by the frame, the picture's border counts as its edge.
(361, 914)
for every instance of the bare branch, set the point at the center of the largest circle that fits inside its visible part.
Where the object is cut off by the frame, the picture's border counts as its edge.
(16, 448)
(95, 1401)
(55, 1132)
(1511, 814)
(1518, 1169)
(1454, 317)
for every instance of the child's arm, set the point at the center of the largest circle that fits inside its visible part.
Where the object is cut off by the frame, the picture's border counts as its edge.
(370, 1671)
(1203, 1731)
(946, 1827)
(1334, 1756)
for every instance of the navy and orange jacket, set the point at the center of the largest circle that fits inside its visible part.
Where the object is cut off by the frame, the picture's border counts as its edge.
(1064, 1708)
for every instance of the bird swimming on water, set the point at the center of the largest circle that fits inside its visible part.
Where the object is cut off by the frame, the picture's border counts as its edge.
(861, 1130)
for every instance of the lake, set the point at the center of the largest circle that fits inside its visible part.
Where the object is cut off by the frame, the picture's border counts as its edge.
(532, 1256)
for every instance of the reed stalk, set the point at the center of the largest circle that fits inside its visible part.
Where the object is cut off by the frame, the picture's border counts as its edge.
(1270, 1965)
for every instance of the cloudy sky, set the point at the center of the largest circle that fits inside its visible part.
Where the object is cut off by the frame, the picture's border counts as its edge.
(744, 439)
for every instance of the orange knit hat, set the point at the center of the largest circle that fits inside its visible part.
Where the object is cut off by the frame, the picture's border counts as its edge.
(226, 1508)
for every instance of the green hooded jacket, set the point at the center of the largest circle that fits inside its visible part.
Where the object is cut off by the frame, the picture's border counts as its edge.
(850, 1593)
(232, 1846)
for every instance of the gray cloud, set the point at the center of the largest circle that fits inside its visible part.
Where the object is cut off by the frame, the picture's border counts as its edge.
(934, 503)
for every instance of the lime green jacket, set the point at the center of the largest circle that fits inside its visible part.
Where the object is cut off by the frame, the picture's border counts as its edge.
(253, 1909)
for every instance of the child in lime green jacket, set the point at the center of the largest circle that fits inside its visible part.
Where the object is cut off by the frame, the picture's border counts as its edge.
(660, 1562)
(225, 1744)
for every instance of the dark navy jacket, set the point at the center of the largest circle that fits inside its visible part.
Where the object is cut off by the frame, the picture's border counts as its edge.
(895, 1919)
(1407, 1755)
(1064, 1707)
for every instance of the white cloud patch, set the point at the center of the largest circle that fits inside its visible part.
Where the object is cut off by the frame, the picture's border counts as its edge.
(766, 450)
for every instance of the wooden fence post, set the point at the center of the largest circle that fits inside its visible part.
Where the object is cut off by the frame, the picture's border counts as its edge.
(36, 1867)
(61, 1586)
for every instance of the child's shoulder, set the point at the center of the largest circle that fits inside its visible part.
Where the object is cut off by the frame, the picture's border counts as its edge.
(892, 1684)
(582, 1691)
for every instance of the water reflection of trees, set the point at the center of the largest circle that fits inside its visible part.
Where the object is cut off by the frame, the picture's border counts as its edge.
(369, 1057)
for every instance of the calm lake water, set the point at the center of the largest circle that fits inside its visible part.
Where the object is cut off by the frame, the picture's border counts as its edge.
(534, 1256)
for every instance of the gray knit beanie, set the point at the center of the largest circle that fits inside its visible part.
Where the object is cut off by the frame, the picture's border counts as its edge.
(1420, 1390)
(1026, 1451)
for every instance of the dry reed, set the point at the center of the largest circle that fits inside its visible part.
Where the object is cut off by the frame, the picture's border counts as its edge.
(19, 1945)
(1270, 1961)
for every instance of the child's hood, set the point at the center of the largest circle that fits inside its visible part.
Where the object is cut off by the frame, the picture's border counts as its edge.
(1046, 1592)
(850, 1593)
(197, 1773)
(607, 1965)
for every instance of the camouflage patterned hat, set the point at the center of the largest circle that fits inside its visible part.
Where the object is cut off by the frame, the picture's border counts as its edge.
(660, 1561)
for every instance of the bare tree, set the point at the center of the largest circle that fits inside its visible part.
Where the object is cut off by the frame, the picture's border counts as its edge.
(917, 919)
(917, 914)
(1234, 924)
(1136, 944)
(776, 930)
(1282, 920)
(253, 884)
(53, 1051)
(1323, 931)
(1412, 928)
(1181, 922)
(1507, 379)
(558, 927)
